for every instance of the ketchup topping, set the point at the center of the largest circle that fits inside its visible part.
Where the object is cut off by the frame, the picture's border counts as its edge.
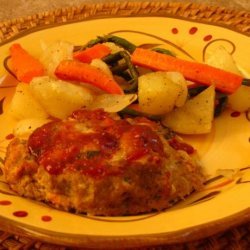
(10, 136)
(88, 141)
(178, 145)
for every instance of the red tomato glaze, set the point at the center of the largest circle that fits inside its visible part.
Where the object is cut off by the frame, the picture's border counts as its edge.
(88, 141)
(176, 144)
(10, 136)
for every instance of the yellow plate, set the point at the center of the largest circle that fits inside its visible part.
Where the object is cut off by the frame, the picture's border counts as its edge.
(225, 201)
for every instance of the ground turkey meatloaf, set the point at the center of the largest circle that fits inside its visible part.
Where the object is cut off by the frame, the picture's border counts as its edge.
(95, 164)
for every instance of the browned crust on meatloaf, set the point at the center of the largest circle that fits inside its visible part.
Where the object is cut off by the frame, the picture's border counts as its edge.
(141, 187)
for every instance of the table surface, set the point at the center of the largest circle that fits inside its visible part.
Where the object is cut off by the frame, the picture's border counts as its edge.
(19, 8)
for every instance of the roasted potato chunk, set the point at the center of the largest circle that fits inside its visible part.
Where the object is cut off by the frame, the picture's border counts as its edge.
(221, 58)
(195, 117)
(159, 92)
(25, 127)
(54, 54)
(240, 100)
(24, 105)
(60, 98)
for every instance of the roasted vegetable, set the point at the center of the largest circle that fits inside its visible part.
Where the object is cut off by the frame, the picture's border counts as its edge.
(70, 70)
(60, 98)
(223, 81)
(54, 53)
(24, 66)
(24, 105)
(159, 92)
(109, 38)
(195, 117)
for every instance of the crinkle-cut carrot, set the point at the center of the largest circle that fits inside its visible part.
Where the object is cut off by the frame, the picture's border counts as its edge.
(24, 65)
(202, 73)
(73, 70)
(98, 51)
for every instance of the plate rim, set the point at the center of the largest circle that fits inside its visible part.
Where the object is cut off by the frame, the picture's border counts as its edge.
(180, 236)
(193, 233)
(235, 20)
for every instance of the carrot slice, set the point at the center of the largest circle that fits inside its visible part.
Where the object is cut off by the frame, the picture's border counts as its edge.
(24, 65)
(98, 51)
(224, 81)
(77, 71)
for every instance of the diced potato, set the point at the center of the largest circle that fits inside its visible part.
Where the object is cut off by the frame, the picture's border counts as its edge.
(98, 63)
(113, 103)
(159, 92)
(25, 127)
(113, 47)
(179, 79)
(240, 100)
(60, 98)
(195, 117)
(54, 54)
(24, 105)
(222, 59)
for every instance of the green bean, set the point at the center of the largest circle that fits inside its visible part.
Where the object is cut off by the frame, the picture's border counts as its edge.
(135, 113)
(195, 91)
(91, 43)
(121, 42)
(119, 69)
(132, 70)
(164, 51)
(246, 82)
(126, 76)
(112, 58)
(221, 104)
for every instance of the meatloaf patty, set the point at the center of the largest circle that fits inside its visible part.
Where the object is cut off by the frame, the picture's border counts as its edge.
(96, 164)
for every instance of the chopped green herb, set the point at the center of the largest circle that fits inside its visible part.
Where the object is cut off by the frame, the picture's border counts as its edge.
(92, 154)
